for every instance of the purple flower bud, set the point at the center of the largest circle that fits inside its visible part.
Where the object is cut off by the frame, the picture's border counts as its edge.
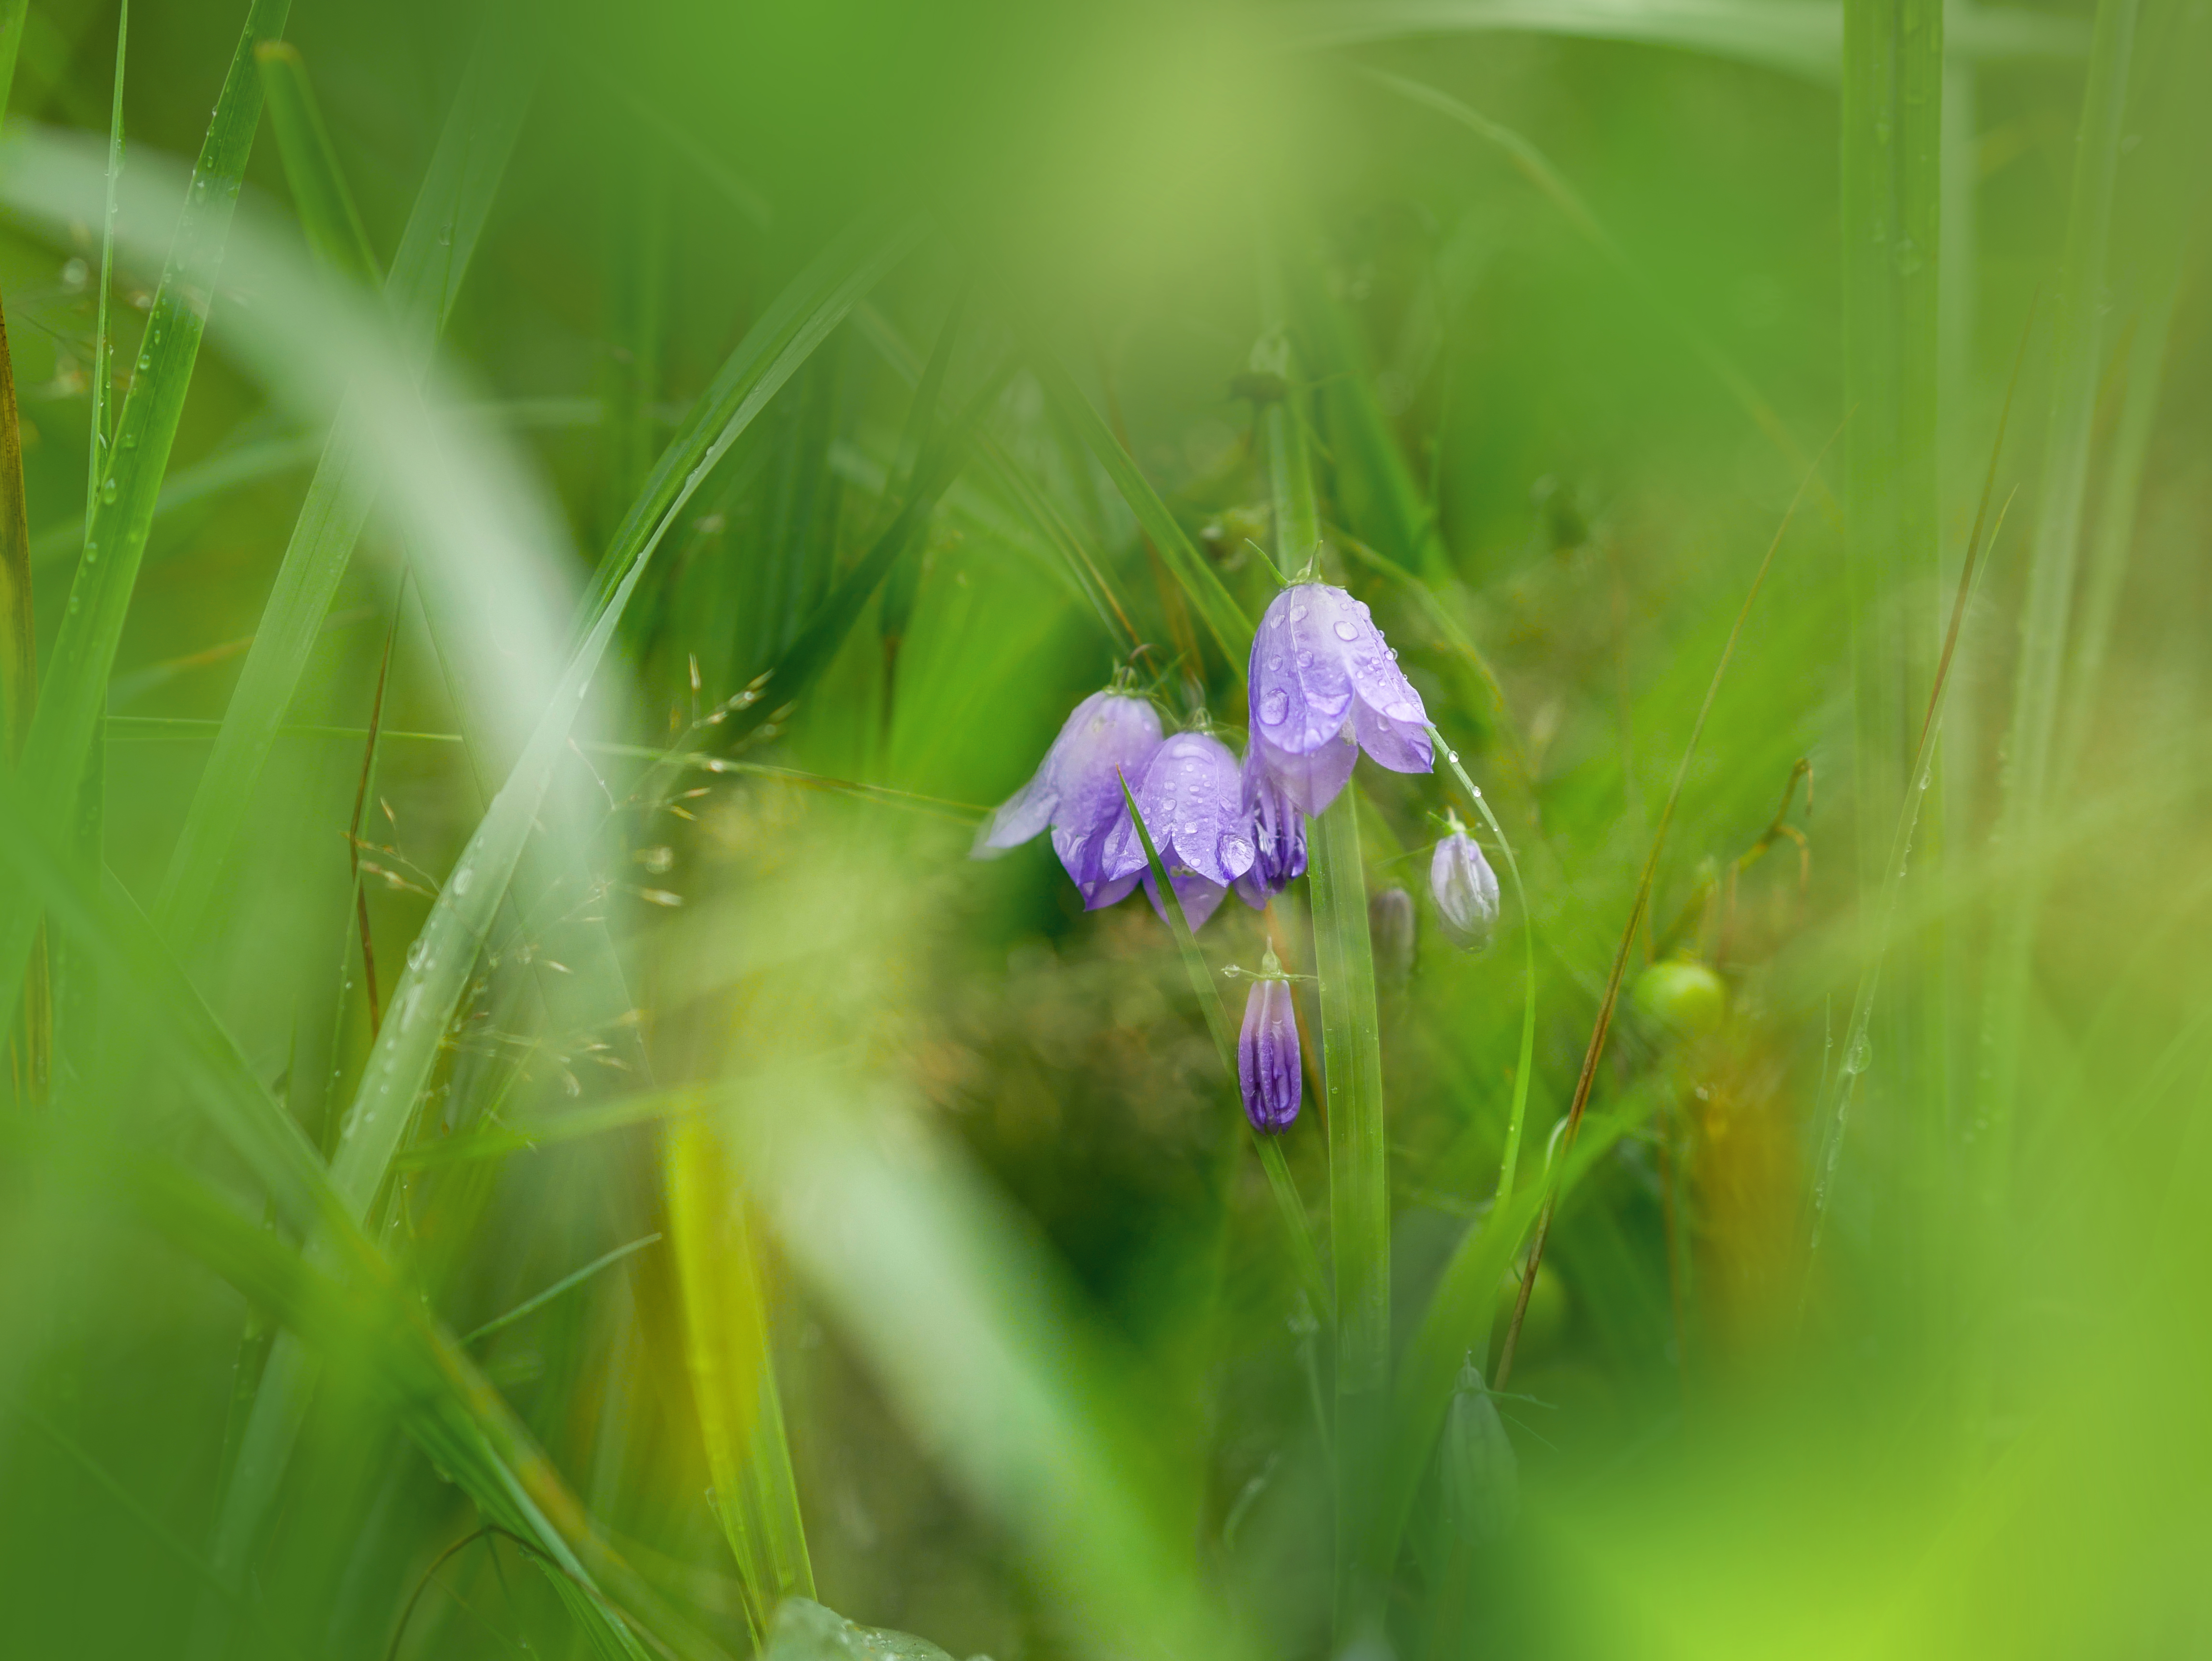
(1078, 792)
(1194, 807)
(1324, 686)
(1465, 890)
(1267, 1057)
(1278, 836)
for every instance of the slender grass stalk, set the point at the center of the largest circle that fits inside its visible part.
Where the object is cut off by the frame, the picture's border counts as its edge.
(1611, 996)
(1351, 1047)
(319, 195)
(74, 690)
(1892, 193)
(2076, 354)
(13, 14)
(1305, 1261)
(435, 251)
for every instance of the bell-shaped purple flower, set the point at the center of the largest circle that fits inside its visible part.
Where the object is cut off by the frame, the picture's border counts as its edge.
(1465, 889)
(1268, 1056)
(1194, 807)
(1077, 791)
(1326, 685)
(1278, 836)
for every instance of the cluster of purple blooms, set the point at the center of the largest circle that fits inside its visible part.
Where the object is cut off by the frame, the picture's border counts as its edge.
(1323, 686)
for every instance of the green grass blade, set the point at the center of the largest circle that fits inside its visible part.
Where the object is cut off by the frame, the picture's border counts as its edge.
(103, 339)
(75, 687)
(1224, 620)
(441, 234)
(14, 14)
(1352, 1047)
(26, 1028)
(319, 195)
(2077, 359)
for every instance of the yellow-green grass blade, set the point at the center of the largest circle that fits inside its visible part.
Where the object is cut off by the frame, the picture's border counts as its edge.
(2076, 368)
(1224, 620)
(732, 1366)
(442, 235)
(74, 685)
(325, 206)
(1803, 37)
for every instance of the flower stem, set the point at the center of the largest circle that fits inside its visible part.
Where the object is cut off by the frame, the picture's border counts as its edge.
(1358, 1185)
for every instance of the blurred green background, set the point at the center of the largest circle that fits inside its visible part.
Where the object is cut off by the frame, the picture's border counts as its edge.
(915, 1169)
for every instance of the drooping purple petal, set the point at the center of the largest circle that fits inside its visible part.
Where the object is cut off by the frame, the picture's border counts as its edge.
(1465, 890)
(1401, 745)
(1278, 834)
(1311, 780)
(1192, 799)
(1322, 677)
(1267, 1057)
(1077, 791)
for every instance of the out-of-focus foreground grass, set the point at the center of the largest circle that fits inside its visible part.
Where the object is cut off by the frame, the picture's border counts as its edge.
(526, 1132)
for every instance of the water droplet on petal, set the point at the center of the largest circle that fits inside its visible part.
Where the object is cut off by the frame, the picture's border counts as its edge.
(1305, 659)
(1393, 654)
(1345, 630)
(1236, 851)
(1297, 614)
(1275, 660)
(1273, 707)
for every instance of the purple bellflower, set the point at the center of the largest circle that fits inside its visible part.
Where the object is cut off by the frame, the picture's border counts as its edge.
(1077, 791)
(1465, 889)
(1267, 1052)
(1194, 808)
(1278, 836)
(1325, 686)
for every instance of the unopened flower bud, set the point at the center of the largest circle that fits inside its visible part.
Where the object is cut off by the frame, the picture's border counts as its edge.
(1391, 924)
(1267, 1055)
(1465, 889)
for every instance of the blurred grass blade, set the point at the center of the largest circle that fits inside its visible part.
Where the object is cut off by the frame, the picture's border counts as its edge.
(946, 1297)
(319, 195)
(1610, 997)
(75, 686)
(461, 1419)
(1797, 37)
(1231, 629)
(14, 14)
(2077, 361)
(733, 1370)
(103, 336)
(443, 958)
(27, 1027)
(442, 234)
(1305, 1260)
(1533, 166)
